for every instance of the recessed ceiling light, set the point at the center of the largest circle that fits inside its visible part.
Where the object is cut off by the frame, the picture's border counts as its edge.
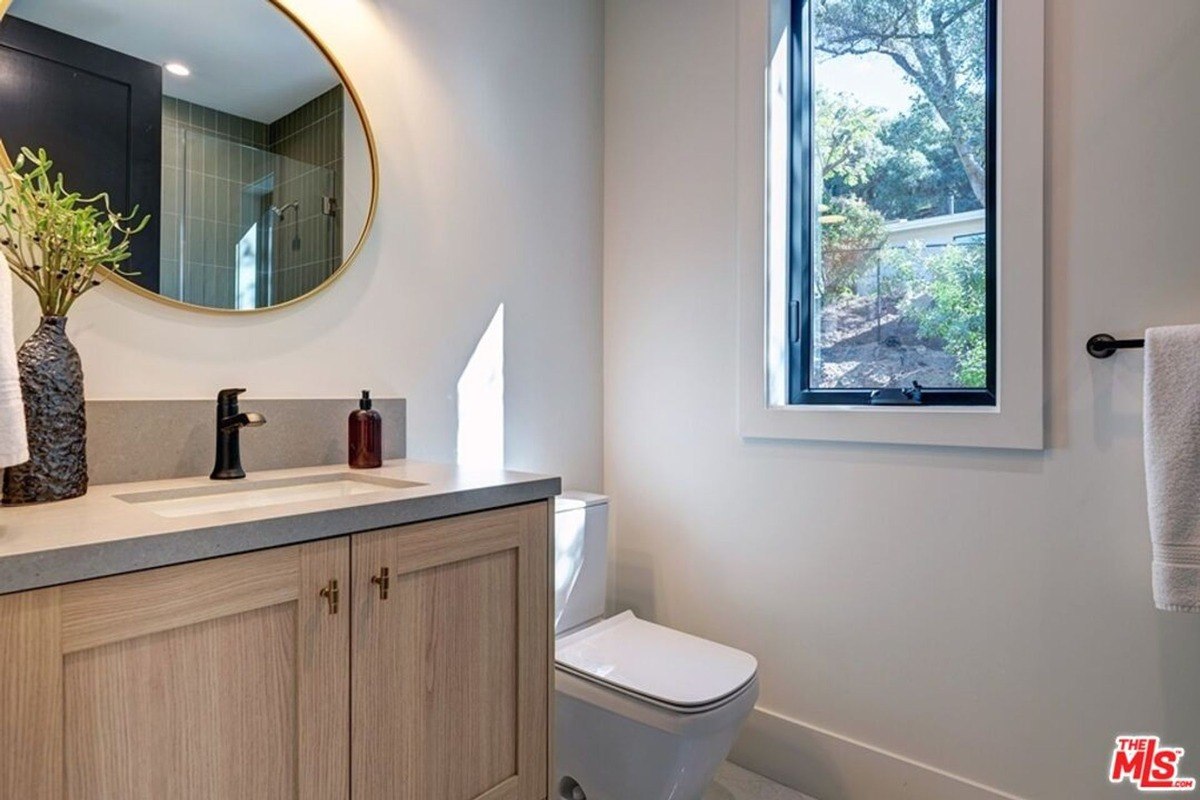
(175, 68)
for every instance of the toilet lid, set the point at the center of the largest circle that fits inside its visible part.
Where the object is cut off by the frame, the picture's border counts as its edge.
(662, 664)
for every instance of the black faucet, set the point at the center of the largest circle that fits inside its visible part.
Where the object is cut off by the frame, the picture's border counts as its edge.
(229, 423)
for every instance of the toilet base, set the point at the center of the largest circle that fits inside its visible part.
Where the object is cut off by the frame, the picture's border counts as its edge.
(616, 747)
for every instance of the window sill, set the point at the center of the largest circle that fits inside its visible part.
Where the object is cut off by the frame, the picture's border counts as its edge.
(943, 426)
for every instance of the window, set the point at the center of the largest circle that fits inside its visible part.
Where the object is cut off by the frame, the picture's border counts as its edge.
(892, 274)
(779, 67)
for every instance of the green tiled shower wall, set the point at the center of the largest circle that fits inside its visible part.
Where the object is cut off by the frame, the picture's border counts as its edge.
(309, 243)
(208, 158)
(221, 174)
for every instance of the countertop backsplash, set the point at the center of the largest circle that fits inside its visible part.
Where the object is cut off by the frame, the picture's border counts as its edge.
(143, 440)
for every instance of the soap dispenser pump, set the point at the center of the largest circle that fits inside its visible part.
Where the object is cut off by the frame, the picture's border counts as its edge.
(366, 435)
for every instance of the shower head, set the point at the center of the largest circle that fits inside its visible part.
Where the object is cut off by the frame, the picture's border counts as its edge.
(280, 211)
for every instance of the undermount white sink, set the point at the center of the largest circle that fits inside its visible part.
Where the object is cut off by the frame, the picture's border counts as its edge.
(214, 499)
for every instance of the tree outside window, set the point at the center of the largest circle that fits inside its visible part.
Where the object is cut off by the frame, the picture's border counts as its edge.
(899, 119)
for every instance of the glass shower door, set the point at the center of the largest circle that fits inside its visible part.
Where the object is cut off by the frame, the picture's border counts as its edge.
(244, 227)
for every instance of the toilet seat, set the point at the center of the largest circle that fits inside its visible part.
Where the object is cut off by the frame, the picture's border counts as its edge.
(656, 665)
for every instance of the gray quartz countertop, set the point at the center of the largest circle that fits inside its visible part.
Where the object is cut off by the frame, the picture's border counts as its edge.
(102, 534)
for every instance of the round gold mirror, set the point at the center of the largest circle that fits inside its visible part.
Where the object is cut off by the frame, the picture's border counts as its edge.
(226, 121)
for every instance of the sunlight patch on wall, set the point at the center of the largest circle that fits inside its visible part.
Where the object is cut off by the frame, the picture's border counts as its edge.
(481, 400)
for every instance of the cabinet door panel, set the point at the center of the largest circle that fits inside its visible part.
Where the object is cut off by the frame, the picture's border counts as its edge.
(201, 711)
(450, 670)
(226, 678)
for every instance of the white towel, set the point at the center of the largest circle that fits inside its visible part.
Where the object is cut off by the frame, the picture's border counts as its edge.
(1173, 464)
(14, 446)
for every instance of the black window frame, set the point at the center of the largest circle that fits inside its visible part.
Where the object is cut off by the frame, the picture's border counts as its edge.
(801, 231)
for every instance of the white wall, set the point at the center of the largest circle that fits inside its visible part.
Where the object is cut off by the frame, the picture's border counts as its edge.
(488, 119)
(986, 613)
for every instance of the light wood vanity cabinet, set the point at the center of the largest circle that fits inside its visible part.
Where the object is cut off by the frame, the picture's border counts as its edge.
(299, 673)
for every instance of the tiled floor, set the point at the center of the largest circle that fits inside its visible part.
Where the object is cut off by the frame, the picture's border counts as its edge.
(735, 783)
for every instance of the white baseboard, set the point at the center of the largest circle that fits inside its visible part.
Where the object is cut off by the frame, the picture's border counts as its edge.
(827, 766)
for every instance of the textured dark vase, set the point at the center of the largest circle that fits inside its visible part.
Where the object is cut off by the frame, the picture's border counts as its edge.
(52, 383)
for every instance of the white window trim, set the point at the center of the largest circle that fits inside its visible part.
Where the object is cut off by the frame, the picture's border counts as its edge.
(1017, 421)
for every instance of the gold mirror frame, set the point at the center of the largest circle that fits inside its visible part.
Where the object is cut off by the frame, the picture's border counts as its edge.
(373, 157)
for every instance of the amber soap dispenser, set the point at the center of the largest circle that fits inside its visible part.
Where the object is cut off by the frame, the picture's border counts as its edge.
(366, 435)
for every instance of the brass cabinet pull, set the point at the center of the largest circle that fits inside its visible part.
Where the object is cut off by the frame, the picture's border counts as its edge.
(330, 593)
(382, 581)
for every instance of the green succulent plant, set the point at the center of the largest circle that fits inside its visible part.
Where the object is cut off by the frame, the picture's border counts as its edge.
(59, 243)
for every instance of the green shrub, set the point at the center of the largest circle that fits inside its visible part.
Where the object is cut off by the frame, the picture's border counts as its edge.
(947, 296)
(852, 234)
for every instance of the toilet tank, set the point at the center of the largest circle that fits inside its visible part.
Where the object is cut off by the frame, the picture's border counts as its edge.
(580, 558)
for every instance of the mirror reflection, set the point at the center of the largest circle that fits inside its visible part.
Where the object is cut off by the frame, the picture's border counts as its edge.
(223, 120)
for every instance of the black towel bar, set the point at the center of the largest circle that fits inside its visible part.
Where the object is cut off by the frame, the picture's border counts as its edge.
(1103, 345)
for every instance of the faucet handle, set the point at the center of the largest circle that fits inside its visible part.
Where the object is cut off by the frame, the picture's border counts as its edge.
(227, 402)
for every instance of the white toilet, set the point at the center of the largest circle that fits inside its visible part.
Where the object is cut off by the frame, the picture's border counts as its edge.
(642, 712)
